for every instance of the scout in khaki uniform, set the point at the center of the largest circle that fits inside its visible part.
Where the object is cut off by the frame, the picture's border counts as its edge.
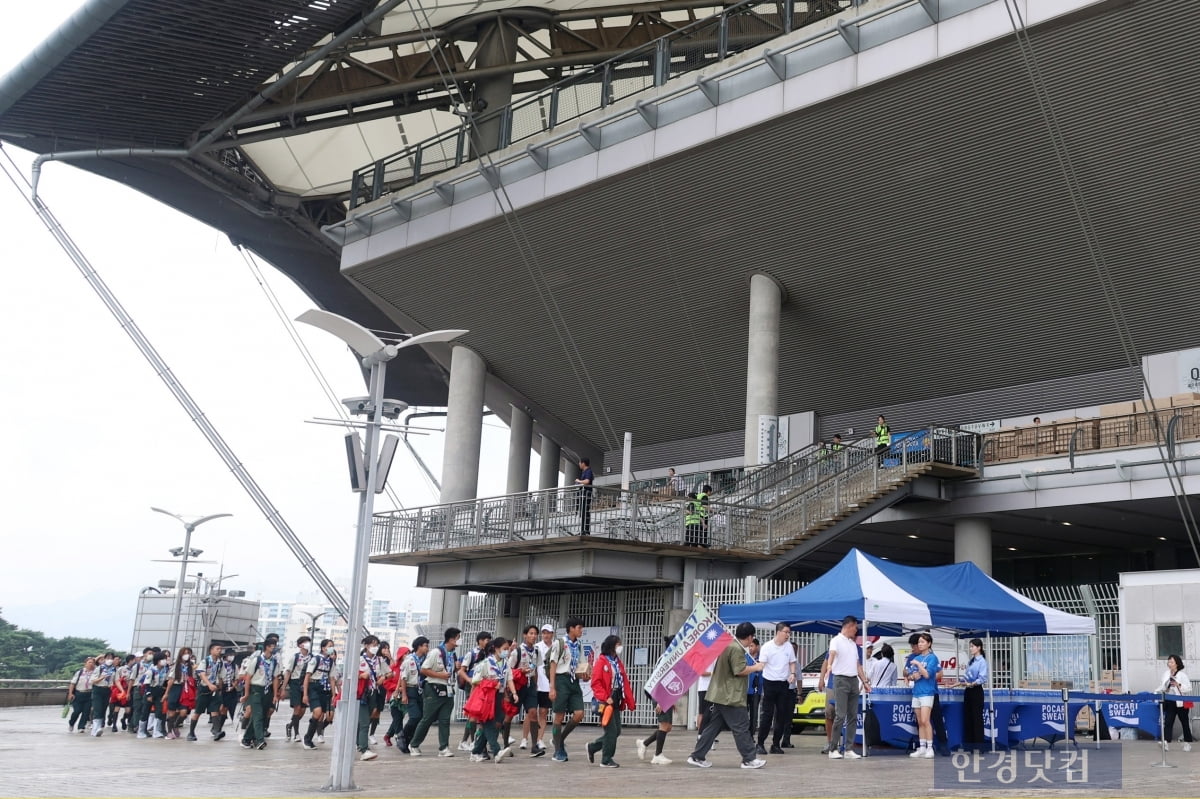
(260, 685)
(438, 669)
(568, 665)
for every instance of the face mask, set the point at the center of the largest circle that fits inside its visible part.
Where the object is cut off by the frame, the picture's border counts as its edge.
(229, 659)
(372, 650)
(504, 655)
(148, 658)
(185, 658)
(108, 663)
(328, 650)
(304, 646)
(620, 649)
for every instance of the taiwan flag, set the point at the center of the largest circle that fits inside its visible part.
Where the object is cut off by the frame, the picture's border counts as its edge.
(712, 642)
(694, 649)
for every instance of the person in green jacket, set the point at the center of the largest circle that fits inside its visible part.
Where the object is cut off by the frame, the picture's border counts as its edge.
(727, 701)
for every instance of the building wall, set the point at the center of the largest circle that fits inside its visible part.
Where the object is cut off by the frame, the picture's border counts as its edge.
(1149, 600)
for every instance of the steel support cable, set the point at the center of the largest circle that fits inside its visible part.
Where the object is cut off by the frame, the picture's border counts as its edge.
(562, 328)
(193, 410)
(1099, 262)
(305, 354)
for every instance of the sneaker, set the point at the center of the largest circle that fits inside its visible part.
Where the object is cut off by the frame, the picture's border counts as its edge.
(387, 740)
(477, 758)
(413, 751)
(788, 745)
(463, 746)
(917, 752)
(610, 764)
(320, 737)
(929, 754)
(560, 756)
(368, 755)
(715, 742)
(192, 737)
(268, 734)
(698, 763)
(835, 754)
(1166, 746)
(524, 743)
(825, 749)
(775, 750)
(591, 753)
(1187, 747)
(505, 752)
(852, 755)
(287, 731)
(309, 745)
(261, 744)
(446, 752)
(219, 735)
(246, 745)
(660, 760)
(755, 763)
(641, 748)
(539, 752)
(371, 740)
(760, 750)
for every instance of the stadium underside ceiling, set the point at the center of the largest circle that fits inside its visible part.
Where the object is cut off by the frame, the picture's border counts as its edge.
(922, 228)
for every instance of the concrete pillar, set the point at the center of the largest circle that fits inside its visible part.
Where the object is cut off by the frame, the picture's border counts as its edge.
(460, 455)
(549, 453)
(762, 359)
(570, 471)
(973, 542)
(497, 47)
(520, 439)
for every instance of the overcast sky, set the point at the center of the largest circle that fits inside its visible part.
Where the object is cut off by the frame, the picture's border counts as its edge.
(93, 437)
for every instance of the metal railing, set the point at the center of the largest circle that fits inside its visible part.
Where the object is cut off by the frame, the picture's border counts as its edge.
(613, 514)
(707, 41)
(834, 496)
(1167, 425)
(723, 481)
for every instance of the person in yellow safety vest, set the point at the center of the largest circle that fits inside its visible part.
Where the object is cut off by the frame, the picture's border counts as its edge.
(883, 438)
(696, 521)
(835, 449)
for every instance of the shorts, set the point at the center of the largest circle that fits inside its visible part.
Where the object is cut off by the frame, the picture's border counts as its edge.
(207, 701)
(528, 697)
(829, 703)
(543, 699)
(296, 693)
(667, 716)
(922, 701)
(569, 697)
(229, 701)
(173, 698)
(319, 698)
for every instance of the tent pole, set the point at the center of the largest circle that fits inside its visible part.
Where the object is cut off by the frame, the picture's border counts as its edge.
(863, 698)
(992, 698)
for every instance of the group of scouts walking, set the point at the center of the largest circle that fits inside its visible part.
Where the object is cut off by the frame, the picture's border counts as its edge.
(539, 676)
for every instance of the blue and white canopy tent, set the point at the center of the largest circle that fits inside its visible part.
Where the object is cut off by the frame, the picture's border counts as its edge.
(893, 599)
(890, 599)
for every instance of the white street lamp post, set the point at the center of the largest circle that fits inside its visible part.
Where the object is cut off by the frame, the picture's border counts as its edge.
(187, 549)
(375, 354)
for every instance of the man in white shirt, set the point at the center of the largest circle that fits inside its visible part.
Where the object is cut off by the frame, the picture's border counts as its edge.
(779, 681)
(543, 691)
(847, 673)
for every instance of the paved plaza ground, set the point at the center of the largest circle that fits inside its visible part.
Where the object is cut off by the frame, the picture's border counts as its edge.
(40, 758)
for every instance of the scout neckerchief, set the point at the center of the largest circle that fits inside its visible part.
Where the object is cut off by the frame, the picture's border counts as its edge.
(618, 685)
(576, 648)
(372, 664)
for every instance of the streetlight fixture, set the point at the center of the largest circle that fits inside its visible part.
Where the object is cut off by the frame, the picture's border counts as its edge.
(312, 628)
(365, 472)
(187, 552)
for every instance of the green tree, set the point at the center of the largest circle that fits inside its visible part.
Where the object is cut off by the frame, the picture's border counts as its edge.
(31, 655)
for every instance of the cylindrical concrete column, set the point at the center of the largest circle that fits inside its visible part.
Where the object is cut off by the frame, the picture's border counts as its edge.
(549, 453)
(460, 455)
(762, 359)
(973, 542)
(520, 440)
(570, 471)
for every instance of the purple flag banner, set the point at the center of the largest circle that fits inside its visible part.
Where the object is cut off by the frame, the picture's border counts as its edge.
(692, 651)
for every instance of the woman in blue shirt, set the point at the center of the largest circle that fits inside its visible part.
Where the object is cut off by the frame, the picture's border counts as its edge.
(921, 672)
(973, 680)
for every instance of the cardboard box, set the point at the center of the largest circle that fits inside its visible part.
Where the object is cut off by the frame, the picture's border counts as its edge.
(1118, 409)
(1187, 400)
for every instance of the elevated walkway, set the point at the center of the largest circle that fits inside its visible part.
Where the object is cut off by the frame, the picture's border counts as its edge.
(626, 530)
